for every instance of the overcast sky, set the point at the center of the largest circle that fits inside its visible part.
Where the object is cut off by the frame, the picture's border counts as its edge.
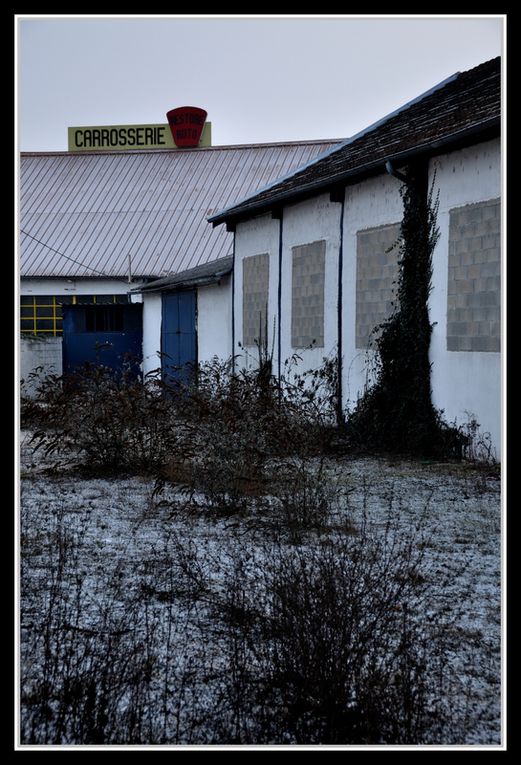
(259, 79)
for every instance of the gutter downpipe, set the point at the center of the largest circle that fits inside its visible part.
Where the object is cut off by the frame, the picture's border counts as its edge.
(233, 305)
(340, 411)
(279, 303)
(395, 173)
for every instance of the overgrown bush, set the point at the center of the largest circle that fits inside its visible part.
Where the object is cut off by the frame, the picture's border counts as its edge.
(235, 425)
(110, 422)
(337, 642)
(396, 413)
(214, 432)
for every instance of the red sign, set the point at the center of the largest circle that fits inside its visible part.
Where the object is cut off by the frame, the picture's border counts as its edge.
(186, 124)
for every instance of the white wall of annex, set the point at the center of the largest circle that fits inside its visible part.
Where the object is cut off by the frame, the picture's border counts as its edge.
(151, 332)
(214, 321)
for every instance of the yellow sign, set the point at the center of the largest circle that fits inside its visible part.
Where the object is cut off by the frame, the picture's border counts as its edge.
(125, 137)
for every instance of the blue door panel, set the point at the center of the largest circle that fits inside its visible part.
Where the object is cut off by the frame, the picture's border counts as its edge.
(186, 349)
(178, 336)
(187, 312)
(170, 311)
(117, 350)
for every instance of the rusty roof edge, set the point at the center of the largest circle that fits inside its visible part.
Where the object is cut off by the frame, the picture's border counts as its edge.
(245, 209)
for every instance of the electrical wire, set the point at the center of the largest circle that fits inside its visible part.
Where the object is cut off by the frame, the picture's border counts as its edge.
(78, 262)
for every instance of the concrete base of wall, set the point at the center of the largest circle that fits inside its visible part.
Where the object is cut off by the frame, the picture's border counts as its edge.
(45, 352)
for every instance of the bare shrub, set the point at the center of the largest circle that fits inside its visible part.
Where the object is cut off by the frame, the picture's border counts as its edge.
(478, 444)
(335, 642)
(214, 433)
(235, 425)
(86, 666)
(111, 422)
(103, 657)
(233, 632)
(307, 495)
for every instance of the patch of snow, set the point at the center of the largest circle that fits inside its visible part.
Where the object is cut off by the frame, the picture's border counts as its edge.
(121, 550)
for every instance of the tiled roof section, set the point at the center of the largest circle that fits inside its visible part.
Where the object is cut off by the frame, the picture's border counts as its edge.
(83, 214)
(208, 273)
(468, 102)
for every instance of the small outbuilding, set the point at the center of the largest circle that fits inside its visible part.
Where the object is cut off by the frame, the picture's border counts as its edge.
(189, 316)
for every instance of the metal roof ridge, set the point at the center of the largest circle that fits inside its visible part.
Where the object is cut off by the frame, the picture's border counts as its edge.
(266, 144)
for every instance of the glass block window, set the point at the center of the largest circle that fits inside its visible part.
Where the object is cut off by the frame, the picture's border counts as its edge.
(376, 276)
(255, 285)
(474, 278)
(307, 295)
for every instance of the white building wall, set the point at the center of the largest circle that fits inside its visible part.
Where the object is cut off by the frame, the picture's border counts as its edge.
(37, 352)
(470, 381)
(213, 325)
(374, 202)
(214, 321)
(464, 383)
(78, 287)
(255, 237)
(151, 332)
(311, 221)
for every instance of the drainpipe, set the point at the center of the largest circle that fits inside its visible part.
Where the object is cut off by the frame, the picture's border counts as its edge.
(395, 173)
(339, 195)
(279, 300)
(233, 305)
(340, 411)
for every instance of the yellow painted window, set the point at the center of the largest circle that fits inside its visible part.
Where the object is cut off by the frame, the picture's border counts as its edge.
(42, 314)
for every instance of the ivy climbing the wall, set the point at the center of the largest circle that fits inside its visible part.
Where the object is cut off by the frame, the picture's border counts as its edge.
(396, 414)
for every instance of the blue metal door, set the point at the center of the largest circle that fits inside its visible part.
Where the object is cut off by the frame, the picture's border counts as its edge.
(109, 335)
(178, 336)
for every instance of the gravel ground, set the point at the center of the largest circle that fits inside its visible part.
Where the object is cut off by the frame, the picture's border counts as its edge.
(105, 545)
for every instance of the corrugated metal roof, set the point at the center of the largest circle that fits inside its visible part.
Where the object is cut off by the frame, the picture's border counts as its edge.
(84, 214)
(464, 107)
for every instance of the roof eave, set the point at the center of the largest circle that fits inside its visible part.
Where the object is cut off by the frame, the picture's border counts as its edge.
(484, 130)
(164, 285)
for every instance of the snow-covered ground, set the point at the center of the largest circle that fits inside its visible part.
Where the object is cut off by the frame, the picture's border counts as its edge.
(120, 582)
